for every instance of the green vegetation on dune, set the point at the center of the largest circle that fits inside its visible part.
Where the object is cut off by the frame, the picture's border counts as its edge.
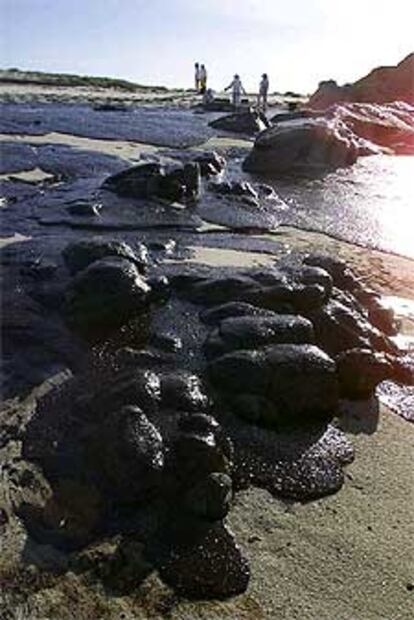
(65, 79)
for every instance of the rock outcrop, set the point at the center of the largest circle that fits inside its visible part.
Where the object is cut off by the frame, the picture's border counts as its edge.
(382, 85)
(333, 138)
(313, 145)
(389, 125)
(171, 183)
(247, 122)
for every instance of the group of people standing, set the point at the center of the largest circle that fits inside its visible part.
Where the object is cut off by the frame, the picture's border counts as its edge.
(200, 78)
(236, 87)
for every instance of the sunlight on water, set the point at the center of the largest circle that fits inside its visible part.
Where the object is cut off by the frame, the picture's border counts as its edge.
(370, 203)
(401, 398)
(392, 193)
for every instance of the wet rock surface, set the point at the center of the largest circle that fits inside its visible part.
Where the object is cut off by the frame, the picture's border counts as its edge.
(148, 440)
(153, 180)
(105, 294)
(80, 255)
(311, 146)
(139, 124)
(211, 163)
(299, 381)
(212, 567)
(247, 122)
(316, 141)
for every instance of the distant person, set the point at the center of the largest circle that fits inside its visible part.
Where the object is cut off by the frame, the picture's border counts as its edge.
(197, 76)
(237, 89)
(263, 90)
(203, 79)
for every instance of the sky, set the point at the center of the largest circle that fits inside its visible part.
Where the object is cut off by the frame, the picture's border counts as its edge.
(297, 42)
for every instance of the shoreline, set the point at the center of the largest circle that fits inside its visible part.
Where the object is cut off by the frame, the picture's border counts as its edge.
(132, 151)
(347, 556)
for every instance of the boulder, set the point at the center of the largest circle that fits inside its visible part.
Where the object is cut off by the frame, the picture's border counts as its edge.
(311, 146)
(381, 316)
(299, 297)
(127, 453)
(202, 424)
(341, 325)
(299, 380)
(79, 254)
(360, 371)
(197, 455)
(171, 183)
(182, 390)
(316, 275)
(336, 267)
(214, 315)
(234, 188)
(329, 93)
(105, 295)
(247, 332)
(201, 447)
(219, 290)
(199, 423)
(210, 162)
(210, 499)
(247, 122)
(136, 181)
(138, 386)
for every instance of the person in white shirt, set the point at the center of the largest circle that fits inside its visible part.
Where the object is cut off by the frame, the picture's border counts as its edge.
(263, 90)
(203, 79)
(197, 76)
(237, 89)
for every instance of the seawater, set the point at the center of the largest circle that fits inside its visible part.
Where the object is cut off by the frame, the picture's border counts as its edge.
(370, 203)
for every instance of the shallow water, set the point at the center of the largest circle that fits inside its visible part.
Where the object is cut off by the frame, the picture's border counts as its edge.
(401, 398)
(370, 203)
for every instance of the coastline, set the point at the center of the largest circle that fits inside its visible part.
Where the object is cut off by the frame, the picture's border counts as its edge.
(344, 557)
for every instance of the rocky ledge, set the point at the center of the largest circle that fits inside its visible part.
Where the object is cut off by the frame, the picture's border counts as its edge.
(316, 141)
(382, 85)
